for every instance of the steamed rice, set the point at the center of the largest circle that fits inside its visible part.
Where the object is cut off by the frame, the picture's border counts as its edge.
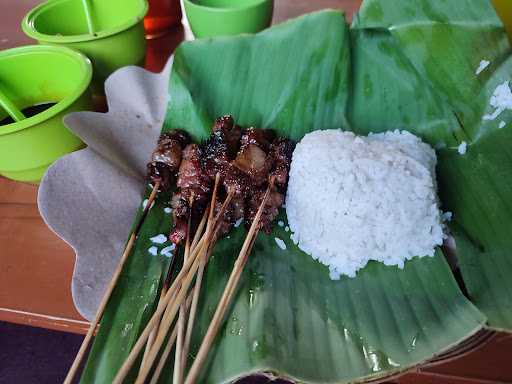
(353, 199)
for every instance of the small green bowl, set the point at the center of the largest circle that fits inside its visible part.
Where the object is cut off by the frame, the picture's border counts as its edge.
(119, 38)
(210, 18)
(33, 75)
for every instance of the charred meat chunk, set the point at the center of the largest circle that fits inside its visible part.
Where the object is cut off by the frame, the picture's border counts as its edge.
(231, 134)
(224, 124)
(221, 147)
(252, 160)
(270, 210)
(261, 137)
(215, 158)
(179, 231)
(236, 181)
(179, 205)
(194, 183)
(161, 173)
(166, 158)
(181, 212)
(193, 194)
(281, 152)
(225, 222)
(232, 213)
(178, 135)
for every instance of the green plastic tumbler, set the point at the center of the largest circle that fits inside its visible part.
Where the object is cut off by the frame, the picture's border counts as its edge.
(209, 18)
(109, 32)
(34, 75)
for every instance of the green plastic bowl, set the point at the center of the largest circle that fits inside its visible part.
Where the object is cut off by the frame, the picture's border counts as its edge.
(119, 24)
(210, 18)
(30, 76)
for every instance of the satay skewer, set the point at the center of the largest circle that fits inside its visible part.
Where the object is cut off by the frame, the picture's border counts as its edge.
(182, 319)
(192, 314)
(177, 372)
(197, 290)
(167, 282)
(165, 287)
(191, 264)
(172, 338)
(167, 350)
(172, 306)
(183, 278)
(228, 293)
(110, 288)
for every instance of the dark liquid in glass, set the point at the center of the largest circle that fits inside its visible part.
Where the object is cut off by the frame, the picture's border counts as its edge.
(162, 16)
(29, 112)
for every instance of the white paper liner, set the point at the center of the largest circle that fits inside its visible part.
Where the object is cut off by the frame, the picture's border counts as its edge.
(89, 198)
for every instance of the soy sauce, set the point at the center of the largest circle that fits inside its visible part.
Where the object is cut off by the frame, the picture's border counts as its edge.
(29, 112)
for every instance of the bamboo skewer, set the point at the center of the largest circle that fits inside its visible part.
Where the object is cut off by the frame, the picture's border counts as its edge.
(170, 311)
(108, 292)
(167, 320)
(181, 348)
(177, 372)
(227, 294)
(166, 351)
(154, 331)
(164, 356)
(189, 266)
(197, 290)
(199, 229)
(167, 282)
(192, 315)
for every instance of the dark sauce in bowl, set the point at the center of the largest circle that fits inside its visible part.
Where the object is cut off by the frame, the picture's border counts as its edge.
(29, 112)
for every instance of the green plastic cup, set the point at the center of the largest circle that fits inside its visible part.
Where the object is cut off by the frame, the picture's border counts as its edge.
(34, 75)
(209, 18)
(118, 38)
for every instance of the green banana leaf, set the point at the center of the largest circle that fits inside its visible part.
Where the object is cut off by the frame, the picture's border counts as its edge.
(288, 317)
(437, 47)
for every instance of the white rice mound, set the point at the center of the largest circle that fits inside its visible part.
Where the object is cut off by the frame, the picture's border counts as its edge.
(352, 199)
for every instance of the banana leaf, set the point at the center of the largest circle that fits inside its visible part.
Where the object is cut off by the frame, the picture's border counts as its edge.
(437, 46)
(288, 317)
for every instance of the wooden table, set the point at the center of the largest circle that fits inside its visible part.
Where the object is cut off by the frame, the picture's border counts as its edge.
(36, 266)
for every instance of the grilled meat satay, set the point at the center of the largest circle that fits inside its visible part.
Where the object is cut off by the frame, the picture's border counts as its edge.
(193, 182)
(246, 161)
(180, 212)
(222, 146)
(263, 138)
(193, 194)
(252, 158)
(281, 152)
(252, 161)
(215, 158)
(227, 220)
(270, 211)
(279, 160)
(166, 158)
(249, 169)
(218, 152)
(231, 132)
